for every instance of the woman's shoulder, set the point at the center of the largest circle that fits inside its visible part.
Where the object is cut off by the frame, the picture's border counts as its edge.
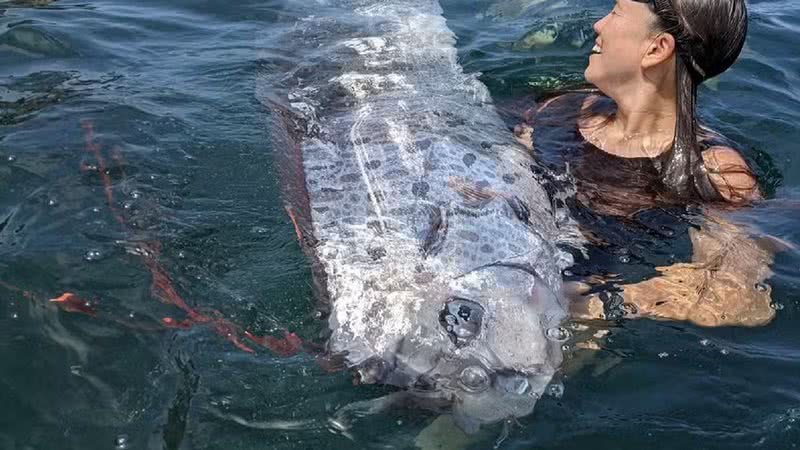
(727, 169)
(730, 174)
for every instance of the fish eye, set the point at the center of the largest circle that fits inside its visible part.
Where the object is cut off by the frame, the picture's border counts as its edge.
(474, 379)
(462, 320)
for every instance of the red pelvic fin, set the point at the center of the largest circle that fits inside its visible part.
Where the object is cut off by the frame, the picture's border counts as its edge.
(72, 303)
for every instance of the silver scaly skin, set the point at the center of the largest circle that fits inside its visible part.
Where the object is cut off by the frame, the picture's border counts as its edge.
(437, 242)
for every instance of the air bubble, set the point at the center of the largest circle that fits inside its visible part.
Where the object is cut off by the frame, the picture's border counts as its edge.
(11, 158)
(663, 355)
(96, 210)
(724, 351)
(568, 273)
(181, 254)
(558, 334)
(776, 306)
(14, 315)
(121, 442)
(136, 194)
(555, 390)
(52, 202)
(705, 342)
(761, 287)
(93, 255)
(624, 259)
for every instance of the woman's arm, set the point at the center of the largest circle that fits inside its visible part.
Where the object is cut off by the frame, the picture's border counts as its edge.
(523, 132)
(724, 283)
(722, 286)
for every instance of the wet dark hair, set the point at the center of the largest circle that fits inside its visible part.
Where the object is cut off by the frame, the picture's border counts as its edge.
(709, 35)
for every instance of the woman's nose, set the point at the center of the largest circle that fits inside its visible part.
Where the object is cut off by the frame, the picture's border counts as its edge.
(599, 24)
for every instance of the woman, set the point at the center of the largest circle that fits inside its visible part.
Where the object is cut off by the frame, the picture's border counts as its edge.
(636, 147)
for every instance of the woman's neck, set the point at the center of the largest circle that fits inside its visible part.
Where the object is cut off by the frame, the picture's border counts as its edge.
(643, 124)
(645, 114)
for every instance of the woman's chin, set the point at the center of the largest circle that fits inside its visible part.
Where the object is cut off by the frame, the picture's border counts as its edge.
(589, 75)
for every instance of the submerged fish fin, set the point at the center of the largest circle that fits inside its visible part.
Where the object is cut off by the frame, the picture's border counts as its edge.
(443, 433)
(289, 129)
(332, 363)
(343, 419)
(288, 132)
(301, 231)
(297, 231)
(436, 233)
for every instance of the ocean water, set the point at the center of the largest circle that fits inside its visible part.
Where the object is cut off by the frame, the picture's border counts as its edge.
(137, 189)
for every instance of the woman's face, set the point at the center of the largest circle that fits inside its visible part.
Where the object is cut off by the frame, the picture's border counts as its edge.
(623, 37)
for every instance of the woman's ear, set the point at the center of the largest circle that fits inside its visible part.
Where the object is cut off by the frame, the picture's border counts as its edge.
(660, 49)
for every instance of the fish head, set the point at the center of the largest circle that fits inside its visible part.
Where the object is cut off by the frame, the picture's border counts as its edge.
(483, 347)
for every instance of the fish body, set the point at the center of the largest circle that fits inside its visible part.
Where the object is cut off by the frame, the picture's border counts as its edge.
(434, 243)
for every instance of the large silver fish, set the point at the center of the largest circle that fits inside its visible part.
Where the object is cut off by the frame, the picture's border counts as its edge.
(434, 241)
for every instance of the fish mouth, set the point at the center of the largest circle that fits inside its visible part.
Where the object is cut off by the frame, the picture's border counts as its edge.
(477, 396)
(475, 379)
(469, 376)
(472, 377)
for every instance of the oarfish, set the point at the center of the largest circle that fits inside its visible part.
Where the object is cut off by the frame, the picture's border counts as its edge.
(434, 239)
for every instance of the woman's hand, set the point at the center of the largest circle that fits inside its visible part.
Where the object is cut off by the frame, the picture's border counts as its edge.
(523, 133)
